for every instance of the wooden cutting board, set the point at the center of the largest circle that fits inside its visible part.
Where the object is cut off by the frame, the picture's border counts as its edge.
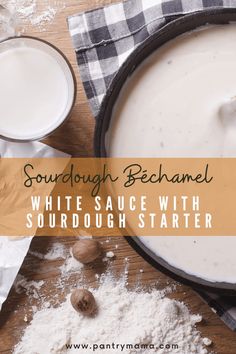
(76, 138)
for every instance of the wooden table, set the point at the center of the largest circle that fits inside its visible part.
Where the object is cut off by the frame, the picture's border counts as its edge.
(76, 138)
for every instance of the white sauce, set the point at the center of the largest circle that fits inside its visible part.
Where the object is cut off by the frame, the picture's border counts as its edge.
(35, 89)
(180, 103)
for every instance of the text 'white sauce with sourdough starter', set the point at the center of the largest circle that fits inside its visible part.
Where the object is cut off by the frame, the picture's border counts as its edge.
(181, 102)
(36, 89)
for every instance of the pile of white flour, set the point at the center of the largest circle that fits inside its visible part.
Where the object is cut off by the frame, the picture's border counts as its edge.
(124, 317)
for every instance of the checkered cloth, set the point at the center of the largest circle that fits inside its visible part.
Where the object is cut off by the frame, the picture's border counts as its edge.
(105, 37)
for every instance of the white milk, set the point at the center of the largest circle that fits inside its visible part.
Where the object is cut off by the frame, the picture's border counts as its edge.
(181, 103)
(35, 89)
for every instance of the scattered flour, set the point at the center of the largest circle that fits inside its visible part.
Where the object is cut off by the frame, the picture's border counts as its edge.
(207, 341)
(31, 288)
(110, 254)
(6, 23)
(36, 254)
(33, 12)
(71, 265)
(46, 16)
(155, 320)
(57, 251)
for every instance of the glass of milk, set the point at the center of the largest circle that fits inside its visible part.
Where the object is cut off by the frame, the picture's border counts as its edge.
(37, 89)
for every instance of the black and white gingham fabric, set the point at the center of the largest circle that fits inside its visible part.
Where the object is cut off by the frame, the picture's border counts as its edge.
(104, 38)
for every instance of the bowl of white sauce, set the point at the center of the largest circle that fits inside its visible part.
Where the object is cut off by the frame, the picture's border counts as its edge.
(175, 97)
(37, 89)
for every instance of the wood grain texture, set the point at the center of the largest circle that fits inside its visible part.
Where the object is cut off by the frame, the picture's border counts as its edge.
(76, 138)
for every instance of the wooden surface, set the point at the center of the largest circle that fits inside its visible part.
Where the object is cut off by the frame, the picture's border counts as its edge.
(76, 138)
